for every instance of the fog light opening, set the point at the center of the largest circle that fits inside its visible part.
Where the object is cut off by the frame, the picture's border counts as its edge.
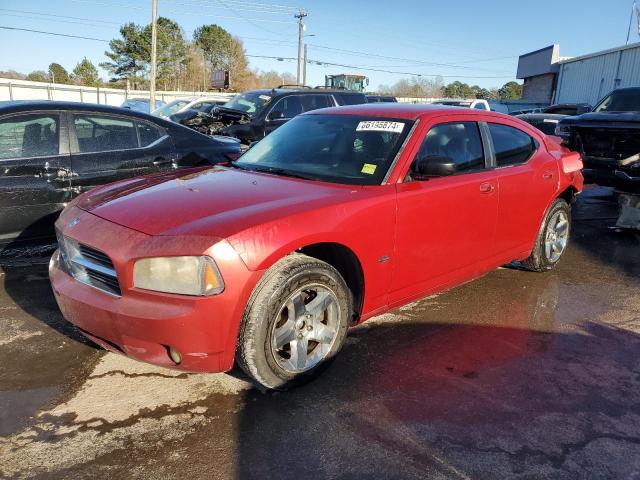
(174, 355)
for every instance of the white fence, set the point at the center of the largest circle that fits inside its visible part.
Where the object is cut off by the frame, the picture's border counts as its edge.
(27, 90)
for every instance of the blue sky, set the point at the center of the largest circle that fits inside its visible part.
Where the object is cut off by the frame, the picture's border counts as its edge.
(461, 40)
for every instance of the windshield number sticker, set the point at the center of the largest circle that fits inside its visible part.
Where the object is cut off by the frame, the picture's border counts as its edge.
(368, 168)
(380, 126)
(549, 120)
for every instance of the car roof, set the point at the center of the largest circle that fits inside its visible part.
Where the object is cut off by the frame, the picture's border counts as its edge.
(283, 91)
(541, 116)
(408, 111)
(625, 89)
(17, 106)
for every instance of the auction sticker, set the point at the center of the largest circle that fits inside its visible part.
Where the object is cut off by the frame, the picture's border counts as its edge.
(380, 126)
(368, 168)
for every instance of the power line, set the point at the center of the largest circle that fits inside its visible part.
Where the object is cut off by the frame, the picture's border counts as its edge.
(373, 55)
(94, 20)
(362, 67)
(56, 34)
(237, 6)
(318, 62)
(199, 14)
(57, 20)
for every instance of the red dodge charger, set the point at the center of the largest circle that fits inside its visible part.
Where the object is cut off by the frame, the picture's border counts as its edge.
(339, 215)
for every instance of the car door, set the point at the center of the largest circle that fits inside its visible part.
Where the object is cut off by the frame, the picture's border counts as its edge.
(445, 224)
(34, 173)
(282, 111)
(528, 178)
(106, 148)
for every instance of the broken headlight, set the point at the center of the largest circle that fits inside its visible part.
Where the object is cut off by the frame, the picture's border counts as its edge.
(181, 275)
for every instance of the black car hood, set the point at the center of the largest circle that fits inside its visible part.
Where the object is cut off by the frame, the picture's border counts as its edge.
(604, 120)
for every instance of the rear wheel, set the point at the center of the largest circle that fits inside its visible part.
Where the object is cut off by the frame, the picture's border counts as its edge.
(295, 322)
(552, 238)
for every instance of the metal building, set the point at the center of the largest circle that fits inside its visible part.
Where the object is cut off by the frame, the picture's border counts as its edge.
(590, 77)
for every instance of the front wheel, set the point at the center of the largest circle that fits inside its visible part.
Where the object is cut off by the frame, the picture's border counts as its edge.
(295, 322)
(552, 238)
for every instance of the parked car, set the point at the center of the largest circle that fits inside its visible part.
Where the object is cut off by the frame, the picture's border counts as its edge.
(381, 99)
(140, 104)
(252, 115)
(545, 122)
(51, 151)
(477, 104)
(568, 108)
(546, 119)
(608, 139)
(200, 104)
(337, 216)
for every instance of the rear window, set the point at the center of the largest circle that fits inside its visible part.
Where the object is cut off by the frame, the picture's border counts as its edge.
(512, 146)
(102, 134)
(350, 98)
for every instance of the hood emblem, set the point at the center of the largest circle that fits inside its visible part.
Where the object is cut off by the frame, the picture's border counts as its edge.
(74, 222)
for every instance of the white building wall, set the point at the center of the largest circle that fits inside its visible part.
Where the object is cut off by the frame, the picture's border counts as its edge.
(591, 77)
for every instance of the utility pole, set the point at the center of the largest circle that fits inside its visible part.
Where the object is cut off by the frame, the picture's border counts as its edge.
(154, 28)
(304, 67)
(300, 15)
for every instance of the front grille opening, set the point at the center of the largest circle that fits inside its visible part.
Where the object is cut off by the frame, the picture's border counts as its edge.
(89, 265)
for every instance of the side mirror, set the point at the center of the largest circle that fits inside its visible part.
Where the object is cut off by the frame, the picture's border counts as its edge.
(433, 166)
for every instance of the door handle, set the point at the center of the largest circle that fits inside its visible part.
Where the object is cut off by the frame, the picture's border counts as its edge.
(486, 188)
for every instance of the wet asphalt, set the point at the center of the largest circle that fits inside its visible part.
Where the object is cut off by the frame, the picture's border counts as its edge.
(515, 375)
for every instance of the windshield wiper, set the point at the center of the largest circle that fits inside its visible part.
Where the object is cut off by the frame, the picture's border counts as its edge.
(281, 171)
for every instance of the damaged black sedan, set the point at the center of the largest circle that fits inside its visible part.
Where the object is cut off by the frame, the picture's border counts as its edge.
(52, 151)
(608, 139)
(252, 115)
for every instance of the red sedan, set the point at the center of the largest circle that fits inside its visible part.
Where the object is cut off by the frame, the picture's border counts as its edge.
(337, 216)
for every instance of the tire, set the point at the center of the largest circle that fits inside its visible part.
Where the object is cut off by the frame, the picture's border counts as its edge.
(295, 322)
(543, 256)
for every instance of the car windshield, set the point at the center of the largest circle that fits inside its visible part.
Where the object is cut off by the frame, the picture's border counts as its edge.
(170, 108)
(620, 101)
(344, 149)
(249, 102)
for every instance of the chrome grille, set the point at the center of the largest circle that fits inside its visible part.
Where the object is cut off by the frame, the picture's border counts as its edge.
(89, 266)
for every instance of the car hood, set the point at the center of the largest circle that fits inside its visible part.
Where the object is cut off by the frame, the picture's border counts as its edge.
(604, 119)
(219, 201)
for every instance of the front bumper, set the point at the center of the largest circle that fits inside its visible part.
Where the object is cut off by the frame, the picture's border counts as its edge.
(143, 324)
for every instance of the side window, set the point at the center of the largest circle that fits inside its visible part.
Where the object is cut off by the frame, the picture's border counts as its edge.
(148, 133)
(449, 148)
(480, 106)
(286, 108)
(29, 136)
(512, 146)
(315, 101)
(98, 133)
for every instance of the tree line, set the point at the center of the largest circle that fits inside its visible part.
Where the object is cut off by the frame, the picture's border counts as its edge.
(181, 64)
(419, 87)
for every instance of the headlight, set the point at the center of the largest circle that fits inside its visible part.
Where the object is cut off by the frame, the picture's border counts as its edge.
(181, 275)
(563, 131)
